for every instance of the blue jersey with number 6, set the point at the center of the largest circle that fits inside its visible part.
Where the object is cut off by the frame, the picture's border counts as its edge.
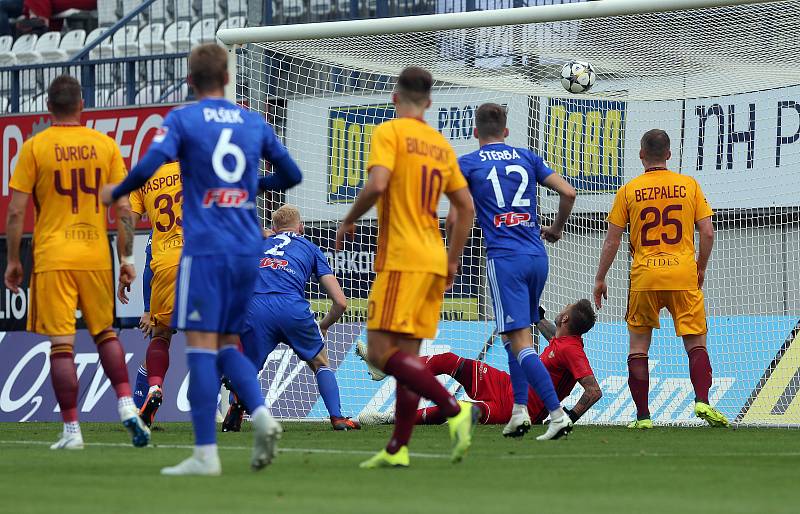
(287, 263)
(502, 180)
(219, 146)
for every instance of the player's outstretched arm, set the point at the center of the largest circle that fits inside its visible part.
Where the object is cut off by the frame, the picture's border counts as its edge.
(566, 195)
(607, 256)
(339, 306)
(15, 218)
(377, 183)
(138, 176)
(706, 230)
(285, 175)
(591, 394)
(463, 215)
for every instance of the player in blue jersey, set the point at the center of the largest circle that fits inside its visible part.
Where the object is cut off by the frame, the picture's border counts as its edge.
(503, 180)
(280, 313)
(140, 391)
(219, 146)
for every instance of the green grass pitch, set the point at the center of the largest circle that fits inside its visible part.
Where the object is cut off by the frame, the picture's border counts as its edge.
(597, 470)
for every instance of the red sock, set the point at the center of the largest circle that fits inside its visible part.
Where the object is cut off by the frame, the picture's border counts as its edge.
(443, 363)
(429, 416)
(409, 370)
(700, 372)
(404, 416)
(65, 381)
(112, 357)
(157, 359)
(639, 383)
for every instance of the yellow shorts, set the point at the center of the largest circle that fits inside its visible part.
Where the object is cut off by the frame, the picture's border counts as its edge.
(55, 295)
(687, 308)
(406, 303)
(162, 296)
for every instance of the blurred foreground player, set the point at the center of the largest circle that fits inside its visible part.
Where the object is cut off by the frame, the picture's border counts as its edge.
(219, 146)
(490, 388)
(64, 168)
(663, 209)
(410, 166)
(280, 313)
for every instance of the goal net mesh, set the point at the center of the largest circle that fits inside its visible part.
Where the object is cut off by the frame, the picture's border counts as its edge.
(721, 81)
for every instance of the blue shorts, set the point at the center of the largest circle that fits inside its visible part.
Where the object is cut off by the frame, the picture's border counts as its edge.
(212, 293)
(516, 282)
(273, 319)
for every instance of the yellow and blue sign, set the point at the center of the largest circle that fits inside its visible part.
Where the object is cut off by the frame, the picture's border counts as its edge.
(349, 134)
(584, 141)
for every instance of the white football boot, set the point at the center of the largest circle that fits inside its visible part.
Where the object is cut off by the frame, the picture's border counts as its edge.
(520, 422)
(557, 429)
(374, 373)
(68, 441)
(265, 441)
(197, 464)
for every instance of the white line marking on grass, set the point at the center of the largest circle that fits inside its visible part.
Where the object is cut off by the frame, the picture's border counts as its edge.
(331, 451)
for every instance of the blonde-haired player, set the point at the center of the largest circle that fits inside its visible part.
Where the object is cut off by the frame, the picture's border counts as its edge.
(63, 168)
(161, 198)
(663, 208)
(410, 166)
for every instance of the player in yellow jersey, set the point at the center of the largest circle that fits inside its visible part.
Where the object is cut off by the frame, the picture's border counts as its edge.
(161, 198)
(662, 208)
(410, 166)
(63, 168)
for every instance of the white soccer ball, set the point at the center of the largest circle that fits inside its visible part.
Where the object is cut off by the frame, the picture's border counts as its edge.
(577, 76)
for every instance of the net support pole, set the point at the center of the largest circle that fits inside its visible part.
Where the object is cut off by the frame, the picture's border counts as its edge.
(230, 87)
(463, 20)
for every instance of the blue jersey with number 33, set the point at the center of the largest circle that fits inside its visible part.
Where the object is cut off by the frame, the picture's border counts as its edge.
(219, 146)
(502, 180)
(287, 263)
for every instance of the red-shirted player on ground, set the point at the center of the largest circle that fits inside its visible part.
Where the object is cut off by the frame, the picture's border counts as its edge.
(490, 388)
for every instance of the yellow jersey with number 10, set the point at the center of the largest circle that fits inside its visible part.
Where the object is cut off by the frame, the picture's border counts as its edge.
(423, 165)
(63, 168)
(161, 198)
(662, 208)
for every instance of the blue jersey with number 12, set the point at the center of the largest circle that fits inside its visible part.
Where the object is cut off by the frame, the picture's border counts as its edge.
(219, 146)
(288, 262)
(502, 180)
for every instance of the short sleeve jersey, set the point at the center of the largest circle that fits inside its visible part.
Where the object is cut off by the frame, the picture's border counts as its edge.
(219, 146)
(63, 168)
(287, 263)
(503, 180)
(566, 361)
(423, 165)
(661, 208)
(161, 198)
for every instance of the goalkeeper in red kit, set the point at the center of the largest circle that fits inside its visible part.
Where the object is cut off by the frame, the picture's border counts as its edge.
(564, 358)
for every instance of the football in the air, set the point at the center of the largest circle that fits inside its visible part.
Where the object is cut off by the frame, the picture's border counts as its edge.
(577, 76)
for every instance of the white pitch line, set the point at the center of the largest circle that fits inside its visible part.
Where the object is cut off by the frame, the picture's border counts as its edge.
(435, 455)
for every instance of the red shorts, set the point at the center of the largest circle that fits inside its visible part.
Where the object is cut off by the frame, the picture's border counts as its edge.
(492, 388)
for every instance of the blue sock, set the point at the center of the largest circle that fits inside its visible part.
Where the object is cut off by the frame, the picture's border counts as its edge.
(518, 381)
(203, 388)
(329, 390)
(538, 378)
(243, 376)
(140, 391)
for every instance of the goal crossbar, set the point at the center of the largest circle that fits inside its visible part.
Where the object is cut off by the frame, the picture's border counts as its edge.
(466, 20)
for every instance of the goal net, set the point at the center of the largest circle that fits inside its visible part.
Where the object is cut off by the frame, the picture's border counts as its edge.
(722, 80)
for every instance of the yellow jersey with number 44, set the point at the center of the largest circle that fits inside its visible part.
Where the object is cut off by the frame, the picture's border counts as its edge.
(423, 165)
(63, 168)
(662, 208)
(161, 198)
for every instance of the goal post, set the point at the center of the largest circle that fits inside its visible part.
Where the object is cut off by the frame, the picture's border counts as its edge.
(721, 77)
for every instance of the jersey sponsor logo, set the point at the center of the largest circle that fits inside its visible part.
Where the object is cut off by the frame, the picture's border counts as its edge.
(512, 219)
(269, 262)
(584, 142)
(195, 316)
(349, 134)
(225, 197)
(160, 135)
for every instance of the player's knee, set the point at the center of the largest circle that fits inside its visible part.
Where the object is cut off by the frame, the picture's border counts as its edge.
(104, 336)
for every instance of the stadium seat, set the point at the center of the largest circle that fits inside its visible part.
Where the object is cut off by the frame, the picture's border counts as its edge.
(150, 94)
(234, 22)
(5, 43)
(36, 103)
(24, 43)
(120, 41)
(238, 7)
(117, 98)
(293, 9)
(181, 10)
(206, 9)
(204, 31)
(150, 34)
(101, 96)
(71, 44)
(157, 13)
(95, 34)
(176, 39)
(176, 93)
(47, 42)
(4, 104)
(320, 8)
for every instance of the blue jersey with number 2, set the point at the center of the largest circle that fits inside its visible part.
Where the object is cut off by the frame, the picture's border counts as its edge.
(287, 263)
(502, 180)
(219, 146)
